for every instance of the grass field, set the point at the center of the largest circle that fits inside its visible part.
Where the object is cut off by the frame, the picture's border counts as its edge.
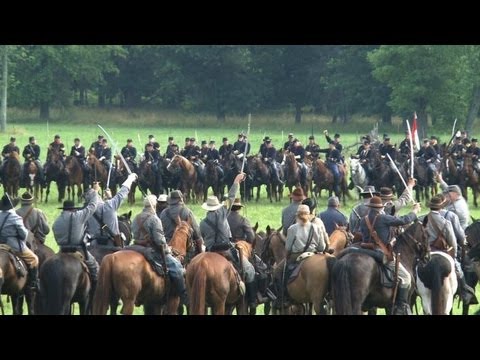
(262, 212)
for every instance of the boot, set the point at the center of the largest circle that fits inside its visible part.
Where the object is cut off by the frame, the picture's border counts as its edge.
(32, 280)
(179, 285)
(251, 294)
(467, 293)
(402, 305)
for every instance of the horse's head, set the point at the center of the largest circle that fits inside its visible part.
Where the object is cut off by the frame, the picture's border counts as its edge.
(127, 217)
(181, 239)
(472, 233)
(174, 163)
(413, 244)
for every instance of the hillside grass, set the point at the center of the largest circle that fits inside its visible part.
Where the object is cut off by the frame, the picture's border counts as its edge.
(263, 212)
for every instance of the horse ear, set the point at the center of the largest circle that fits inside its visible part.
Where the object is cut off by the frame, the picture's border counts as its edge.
(280, 228)
(255, 227)
(129, 214)
(473, 219)
(425, 221)
(269, 229)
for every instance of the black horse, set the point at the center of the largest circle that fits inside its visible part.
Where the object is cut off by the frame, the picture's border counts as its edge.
(356, 276)
(63, 281)
(470, 263)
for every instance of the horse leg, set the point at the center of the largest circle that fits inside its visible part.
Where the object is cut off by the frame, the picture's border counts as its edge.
(47, 192)
(128, 306)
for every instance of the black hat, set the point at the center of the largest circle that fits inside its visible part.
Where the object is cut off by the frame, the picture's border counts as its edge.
(458, 137)
(386, 139)
(240, 135)
(99, 136)
(149, 144)
(187, 139)
(31, 138)
(385, 136)
(311, 137)
(426, 141)
(58, 137)
(266, 138)
(170, 138)
(69, 205)
(366, 142)
(268, 141)
(76, 139)
(224, 139)
(129, 140)
(151, 136)
(311, 203)
(12, 139)
(212, 142)
(296, 140)
(203, 142)
(27, 198)
(8, 202)
(104, 140)
(192, 139)
(433, 137)
(336, 136)
(474, 140)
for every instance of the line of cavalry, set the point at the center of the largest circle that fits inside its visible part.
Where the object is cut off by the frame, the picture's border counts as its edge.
(342, 277)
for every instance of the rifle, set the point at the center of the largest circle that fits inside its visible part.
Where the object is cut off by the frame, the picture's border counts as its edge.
(396, 282)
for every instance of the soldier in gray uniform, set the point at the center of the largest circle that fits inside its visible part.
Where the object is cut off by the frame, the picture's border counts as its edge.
(239, 225)
(217, 234)
(456, 202)
(106, 216)
(381, 223)
(447, 222)
(176, 208)
(332, 216)
(147, 231)
(393, 206)
(161, 204)
(34, 219)
(69, 229)
(289, 213)
(360, 210)
(14, 234)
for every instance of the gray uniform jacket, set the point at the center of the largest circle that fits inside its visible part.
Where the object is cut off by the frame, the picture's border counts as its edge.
(240, 227)
(445, 226)
(332, 216)
(13, 233)
(171, 212)
(78, 219)
(36, 222)
(289, 216)
(457, 228)
(297, 237)
(382, 225)
(358, 212)
(459, 207)
(221, 234)
(152, 228)
(107, 211)
(401, 202)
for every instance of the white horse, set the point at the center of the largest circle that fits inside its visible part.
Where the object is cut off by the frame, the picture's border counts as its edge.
(359, 177)
(439, 284)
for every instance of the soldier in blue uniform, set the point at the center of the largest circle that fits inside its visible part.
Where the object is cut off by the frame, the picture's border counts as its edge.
(333, 160)
(332, 216)
(31, 152)
(336, 140)
(269, 155)
(299, 152)
(225, 149)
(129, 153)
(312, 148)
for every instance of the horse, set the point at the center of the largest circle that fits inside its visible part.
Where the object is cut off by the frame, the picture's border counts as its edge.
(34, 184)
(100, 174)
(470, 177)
(437, 284)
(292, 173)
(212, 179)
(471, 260)
(55, 171)
(11, 175)
(192, 188)
(64, 280)
(261, 176)
(324, 179)
(339, 239)
(359, 176)
(212, 280)
(147, 179)
(273, 250)
(13, 284)
(128, 276)
(122, 174)
(74, 173)
(42, 251)
(356, 276)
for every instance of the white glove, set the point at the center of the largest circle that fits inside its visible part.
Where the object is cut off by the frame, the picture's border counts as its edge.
(235, 152)
(130, 179)
(102, 158)
(297, 157)
(77, 153)
(325, 132)
(240, 156)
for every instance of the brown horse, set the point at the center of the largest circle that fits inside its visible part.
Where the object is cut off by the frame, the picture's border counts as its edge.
(191, 188)
(292, 173)
(212, 179)
(122, 176)
(126, 275)
(470, 177)
(212, 280)
(98, 172)
(273, 250)
(339, 239)
(323, 178)
(11, 175)
(34, 185)
(12, 284)
(74, 172)
(55, 171)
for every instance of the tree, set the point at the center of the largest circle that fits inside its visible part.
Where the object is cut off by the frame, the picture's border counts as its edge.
(3, 119)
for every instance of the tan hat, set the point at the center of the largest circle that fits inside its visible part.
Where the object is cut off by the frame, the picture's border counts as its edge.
(303, 209)
(149, 200)
(212, 204)
(237, 203)
(376, 202)
(298, 194)
(162, 198)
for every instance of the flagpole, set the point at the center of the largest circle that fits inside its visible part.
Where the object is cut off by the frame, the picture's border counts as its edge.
(411, 148)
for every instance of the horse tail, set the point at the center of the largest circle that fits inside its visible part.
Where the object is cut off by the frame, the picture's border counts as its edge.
(53, 286)
(438, 271)
(198, 292)
(341, 288)
(103, 293)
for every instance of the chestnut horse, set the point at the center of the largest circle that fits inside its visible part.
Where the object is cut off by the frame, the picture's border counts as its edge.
(191, 187)
(11, 175)
(34, 183)
(74, 172)
(128, 276)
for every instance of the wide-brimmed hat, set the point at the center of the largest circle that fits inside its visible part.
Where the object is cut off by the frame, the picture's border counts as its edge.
(369, 190)
(455, 189)
(437, 202)
(212, 204)
(298, 194)
(27, 198)
(303, 209)
(237, 204)
(386, 193)
(175, 197)
(376, 202)
(69, 205)
(149, 201)
(8, 202)
(162, 198)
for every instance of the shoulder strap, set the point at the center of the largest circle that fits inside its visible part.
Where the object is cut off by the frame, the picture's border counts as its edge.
(70, 229)
(373, 233)
(310, 237)
(103, 226)
(435, 226)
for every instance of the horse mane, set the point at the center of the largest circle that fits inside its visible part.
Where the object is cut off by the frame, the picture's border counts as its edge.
(472, 233)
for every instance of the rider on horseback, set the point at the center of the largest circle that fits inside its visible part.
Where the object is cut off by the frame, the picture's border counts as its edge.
(333, 160)
(7, 150)
(475, 151)
(299, 152)
(225, 149)
(34, 219)
(457, 151)
(147, 231)
(213, 154)
(152, 156)
(105, 155)
(31, 152)
(13, 233)
(428, 154)
(269, 155)
(312, 148)
(375, 229)
(69, 230)
(129, 152)
(78, 151)
(217, 235)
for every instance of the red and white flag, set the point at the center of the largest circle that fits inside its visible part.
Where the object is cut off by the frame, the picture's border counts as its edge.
(415, 139)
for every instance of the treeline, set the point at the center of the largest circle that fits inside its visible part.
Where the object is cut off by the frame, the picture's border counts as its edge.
(442, 82)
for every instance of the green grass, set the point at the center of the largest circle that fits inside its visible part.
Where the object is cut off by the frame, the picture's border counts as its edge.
(142, 124)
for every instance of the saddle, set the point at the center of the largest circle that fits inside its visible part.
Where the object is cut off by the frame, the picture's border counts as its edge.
(18, 264)
(294, 268)
(152, 257)
(76, 253)
(386, 274)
